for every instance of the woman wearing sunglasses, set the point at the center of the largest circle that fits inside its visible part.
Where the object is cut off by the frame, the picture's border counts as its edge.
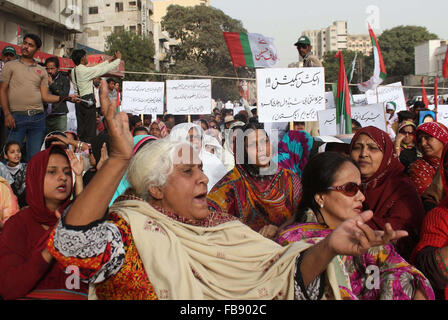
(405, 143)
(389, 192)
(332, 195)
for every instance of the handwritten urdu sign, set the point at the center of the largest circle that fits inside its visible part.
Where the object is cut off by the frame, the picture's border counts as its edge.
(189, 97)
(442, 114)
(143, 97)
(392, 92)
(293, 94)
(370, 115)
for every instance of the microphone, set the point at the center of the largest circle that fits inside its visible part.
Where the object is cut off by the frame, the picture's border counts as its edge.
(88, 102)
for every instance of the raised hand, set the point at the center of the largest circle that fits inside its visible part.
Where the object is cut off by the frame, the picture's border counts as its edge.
(353, 237)
(76, 164)
(118, 126)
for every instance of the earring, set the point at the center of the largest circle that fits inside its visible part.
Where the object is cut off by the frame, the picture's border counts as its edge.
(321, 205)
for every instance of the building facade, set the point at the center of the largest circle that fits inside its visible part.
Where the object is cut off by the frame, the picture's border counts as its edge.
(332, 38)
(56, 22)
(335, 38)
(429, 58)
(101, 18)
(360, 43)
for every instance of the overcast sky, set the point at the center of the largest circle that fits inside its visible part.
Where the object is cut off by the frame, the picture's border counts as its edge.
(285, 20)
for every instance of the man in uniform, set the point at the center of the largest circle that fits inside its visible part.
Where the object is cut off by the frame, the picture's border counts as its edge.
(304, 48)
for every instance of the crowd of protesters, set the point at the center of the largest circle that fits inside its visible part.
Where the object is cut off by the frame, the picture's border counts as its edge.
(136, 207)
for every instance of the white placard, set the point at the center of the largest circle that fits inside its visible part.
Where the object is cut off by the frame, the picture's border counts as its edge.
(292, 94)
(442, 114)
(189, 97)
(392, 92)
(329, 100)
(143, 97)
(360, 99)
(370, 115)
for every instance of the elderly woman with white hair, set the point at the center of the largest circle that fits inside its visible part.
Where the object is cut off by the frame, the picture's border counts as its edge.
(162, 242)
(213, 167)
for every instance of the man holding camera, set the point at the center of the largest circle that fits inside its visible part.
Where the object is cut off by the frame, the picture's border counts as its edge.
(82, 77)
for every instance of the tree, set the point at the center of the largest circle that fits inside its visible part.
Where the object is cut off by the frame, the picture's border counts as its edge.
(363, 68)
(397, 46)
(137, 52)
(202, 49)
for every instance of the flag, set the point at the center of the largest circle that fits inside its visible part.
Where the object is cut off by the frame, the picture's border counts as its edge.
(251, 50)
(343, 107)
(445, 65)
(352, 69)
(436, 93)
(379, 72)
(424, 95)
(18, 31)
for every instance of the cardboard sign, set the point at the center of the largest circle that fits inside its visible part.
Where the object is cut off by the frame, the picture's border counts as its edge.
(143, 97)
(392, 92)
(360, 100)
(329, 100)
(189, 97)
(370, 115)
(292, 94)
(442, 114)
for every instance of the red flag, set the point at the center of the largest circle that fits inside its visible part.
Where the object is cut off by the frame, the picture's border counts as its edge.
(18, 31)
(436, 93)
(445, 65)
(343, 106)
(424, 95)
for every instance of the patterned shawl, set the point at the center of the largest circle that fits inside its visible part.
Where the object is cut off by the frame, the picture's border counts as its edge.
(255, 199)
(294, 150)
(218, 259)
(398, 279)
(423, 170)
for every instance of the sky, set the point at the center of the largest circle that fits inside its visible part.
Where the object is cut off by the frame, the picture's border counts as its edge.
(285, 20)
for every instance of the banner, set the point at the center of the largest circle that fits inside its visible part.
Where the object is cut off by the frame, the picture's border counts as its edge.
(291, 94)
(370, 115)
(442, 114)
(390, 93)
(189, 97)
(143, 97)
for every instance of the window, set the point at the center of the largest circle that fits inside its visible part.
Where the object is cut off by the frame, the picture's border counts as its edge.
(93, 10)
(118, 6)
(132, 29)
(118, 28)
(132, 4)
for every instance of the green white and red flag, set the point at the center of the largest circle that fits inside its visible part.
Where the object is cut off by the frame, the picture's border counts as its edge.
(343, 105)
(379, 72)
(251, 50)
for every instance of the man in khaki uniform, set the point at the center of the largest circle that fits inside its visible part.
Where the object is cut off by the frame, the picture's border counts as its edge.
(304, 48)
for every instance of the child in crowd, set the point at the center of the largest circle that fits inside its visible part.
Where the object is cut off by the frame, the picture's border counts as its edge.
(13, 155)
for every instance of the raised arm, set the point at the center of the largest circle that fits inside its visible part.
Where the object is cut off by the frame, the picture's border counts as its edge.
(93, 202)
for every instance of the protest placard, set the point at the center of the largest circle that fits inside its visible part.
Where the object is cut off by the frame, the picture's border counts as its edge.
(189, 97)
(292, 94)
(329, 100)
(370, 115)
(143, 97)
(360, 100)
(442, 114)
(392, 92)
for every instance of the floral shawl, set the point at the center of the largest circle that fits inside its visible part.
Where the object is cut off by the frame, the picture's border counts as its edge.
(257, 200)
(398, 279)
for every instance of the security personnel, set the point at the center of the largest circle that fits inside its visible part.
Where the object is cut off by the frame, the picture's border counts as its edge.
(304, 48)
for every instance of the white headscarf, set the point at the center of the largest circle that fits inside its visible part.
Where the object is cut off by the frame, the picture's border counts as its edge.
(212, 166)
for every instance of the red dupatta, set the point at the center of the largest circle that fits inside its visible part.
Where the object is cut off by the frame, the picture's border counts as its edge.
(390, 194)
